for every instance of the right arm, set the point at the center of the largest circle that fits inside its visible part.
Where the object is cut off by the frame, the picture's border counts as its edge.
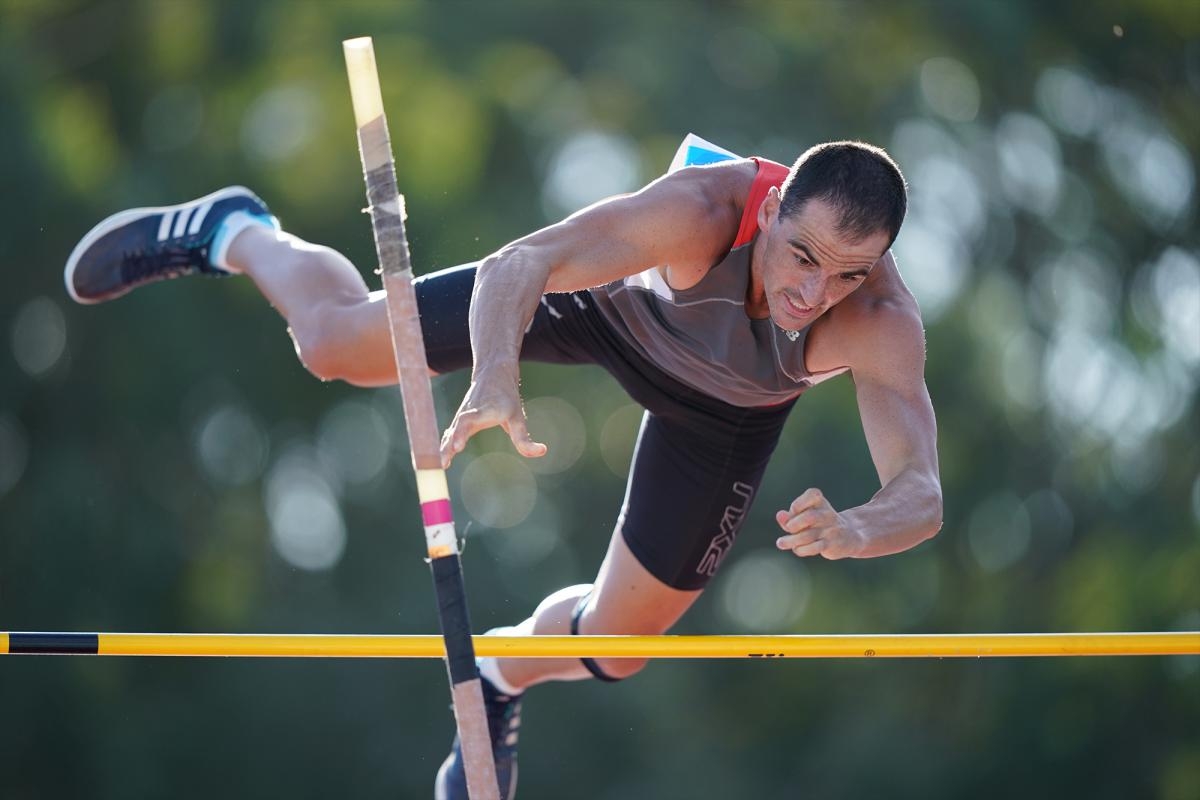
(683, 219)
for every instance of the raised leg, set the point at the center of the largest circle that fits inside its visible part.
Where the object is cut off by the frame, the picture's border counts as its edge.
(339, 326)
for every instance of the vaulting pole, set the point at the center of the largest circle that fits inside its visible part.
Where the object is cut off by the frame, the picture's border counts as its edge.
(391, 244)
(960, 645)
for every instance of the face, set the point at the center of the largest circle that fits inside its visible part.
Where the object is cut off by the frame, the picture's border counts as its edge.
(804, 266)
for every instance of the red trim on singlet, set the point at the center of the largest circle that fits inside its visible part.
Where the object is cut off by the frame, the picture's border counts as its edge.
(769, 174)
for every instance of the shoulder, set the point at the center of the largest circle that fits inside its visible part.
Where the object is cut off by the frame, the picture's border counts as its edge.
(707, 203)
(684, 221)
(877, 331)
(689, 219)
(693, 202)
(717, 192)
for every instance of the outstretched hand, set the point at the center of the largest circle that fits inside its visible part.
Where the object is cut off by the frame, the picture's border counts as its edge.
(488, 404)
(814, 528)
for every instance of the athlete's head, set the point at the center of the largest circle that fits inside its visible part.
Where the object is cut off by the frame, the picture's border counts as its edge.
(860, 182)
(837, 214)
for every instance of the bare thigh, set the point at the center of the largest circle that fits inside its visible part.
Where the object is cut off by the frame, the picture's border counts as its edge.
(627, 599)
(624, 599)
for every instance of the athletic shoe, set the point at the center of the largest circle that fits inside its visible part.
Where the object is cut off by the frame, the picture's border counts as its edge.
(504, 720)
(153, 244)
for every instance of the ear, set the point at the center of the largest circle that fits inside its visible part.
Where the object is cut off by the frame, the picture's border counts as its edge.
(769, 210)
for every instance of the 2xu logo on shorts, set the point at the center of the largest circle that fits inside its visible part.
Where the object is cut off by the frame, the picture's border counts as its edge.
(731, 521)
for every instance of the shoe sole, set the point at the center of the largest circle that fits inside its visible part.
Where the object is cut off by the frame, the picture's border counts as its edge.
(124, 218)
(439, 786)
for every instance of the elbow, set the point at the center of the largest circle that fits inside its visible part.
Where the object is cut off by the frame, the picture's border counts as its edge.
(934, 519)
(498, 263)
(933, 529)
(525, 259)
(540, 263)
(925, 497)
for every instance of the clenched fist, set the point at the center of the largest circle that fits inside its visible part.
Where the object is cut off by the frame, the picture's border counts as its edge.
(814, 528)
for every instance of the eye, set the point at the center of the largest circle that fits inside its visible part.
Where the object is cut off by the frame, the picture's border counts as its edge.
(851, 278)
(803, 261)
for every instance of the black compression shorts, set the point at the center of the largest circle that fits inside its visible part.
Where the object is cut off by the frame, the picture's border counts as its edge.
(698, 461)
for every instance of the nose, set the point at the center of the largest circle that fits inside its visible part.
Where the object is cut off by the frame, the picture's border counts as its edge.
(812, 290)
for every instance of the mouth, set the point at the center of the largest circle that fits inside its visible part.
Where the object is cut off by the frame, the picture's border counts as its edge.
(796, 310)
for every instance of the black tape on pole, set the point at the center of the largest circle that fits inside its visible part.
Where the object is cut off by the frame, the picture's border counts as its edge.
(455, 619)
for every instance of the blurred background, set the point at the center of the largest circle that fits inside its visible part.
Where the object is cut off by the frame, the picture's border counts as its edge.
(167, 465)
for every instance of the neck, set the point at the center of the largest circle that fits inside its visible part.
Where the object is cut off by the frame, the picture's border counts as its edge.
(756, 298)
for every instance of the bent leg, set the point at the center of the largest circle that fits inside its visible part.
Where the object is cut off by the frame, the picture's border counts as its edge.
(693, 478)
(625, 599)
(339, 327)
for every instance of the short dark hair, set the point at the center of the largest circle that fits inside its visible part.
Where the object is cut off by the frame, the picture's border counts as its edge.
(861, 181)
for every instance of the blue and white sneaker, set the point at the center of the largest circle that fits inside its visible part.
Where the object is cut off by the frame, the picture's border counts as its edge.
(144, 245)
(504, 721)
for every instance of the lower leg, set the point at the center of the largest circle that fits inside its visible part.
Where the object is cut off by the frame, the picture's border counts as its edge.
(625, 599)
(339, 327)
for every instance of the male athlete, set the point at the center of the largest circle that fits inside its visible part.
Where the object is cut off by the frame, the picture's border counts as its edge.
(715, 295)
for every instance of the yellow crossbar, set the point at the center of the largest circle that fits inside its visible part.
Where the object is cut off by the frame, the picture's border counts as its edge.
(969, 645)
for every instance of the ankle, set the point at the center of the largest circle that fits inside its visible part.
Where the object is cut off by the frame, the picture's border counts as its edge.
(489, 666)
(240, 238)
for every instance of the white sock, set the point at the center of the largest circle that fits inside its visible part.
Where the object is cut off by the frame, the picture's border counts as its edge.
(228, 230)
(490, 669)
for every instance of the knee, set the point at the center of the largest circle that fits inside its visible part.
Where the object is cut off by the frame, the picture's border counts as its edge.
(618, 668)
(318, 349)
(327, 326)
(342, 338)
(553, 615)
(621, 668)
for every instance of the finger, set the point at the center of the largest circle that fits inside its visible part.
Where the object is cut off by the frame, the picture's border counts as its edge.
(519, 433)
(447, 450)
(811, 498)
(811, 549)
(793, 523)
(454, 440)
(798, 539)
(811, 518)
(448, 453)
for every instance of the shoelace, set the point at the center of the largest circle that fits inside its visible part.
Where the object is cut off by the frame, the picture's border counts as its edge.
(166, 260)
(506, 715)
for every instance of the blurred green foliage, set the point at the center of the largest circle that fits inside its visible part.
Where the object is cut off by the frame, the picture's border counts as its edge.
(151, 450)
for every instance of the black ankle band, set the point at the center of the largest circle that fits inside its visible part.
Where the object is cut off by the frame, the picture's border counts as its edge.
(588, 663)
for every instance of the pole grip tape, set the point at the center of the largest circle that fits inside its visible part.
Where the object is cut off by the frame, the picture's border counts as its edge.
(454, 617)
(387, 206)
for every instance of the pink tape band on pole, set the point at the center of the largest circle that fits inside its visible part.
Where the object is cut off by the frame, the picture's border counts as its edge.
(436, 512)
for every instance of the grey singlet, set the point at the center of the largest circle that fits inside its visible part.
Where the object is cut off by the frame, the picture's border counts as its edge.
(702, 337)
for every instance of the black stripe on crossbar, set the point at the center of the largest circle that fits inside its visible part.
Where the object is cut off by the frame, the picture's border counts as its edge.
(76, 644)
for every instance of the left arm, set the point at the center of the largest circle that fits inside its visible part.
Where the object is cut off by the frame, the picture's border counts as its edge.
(898, 420)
